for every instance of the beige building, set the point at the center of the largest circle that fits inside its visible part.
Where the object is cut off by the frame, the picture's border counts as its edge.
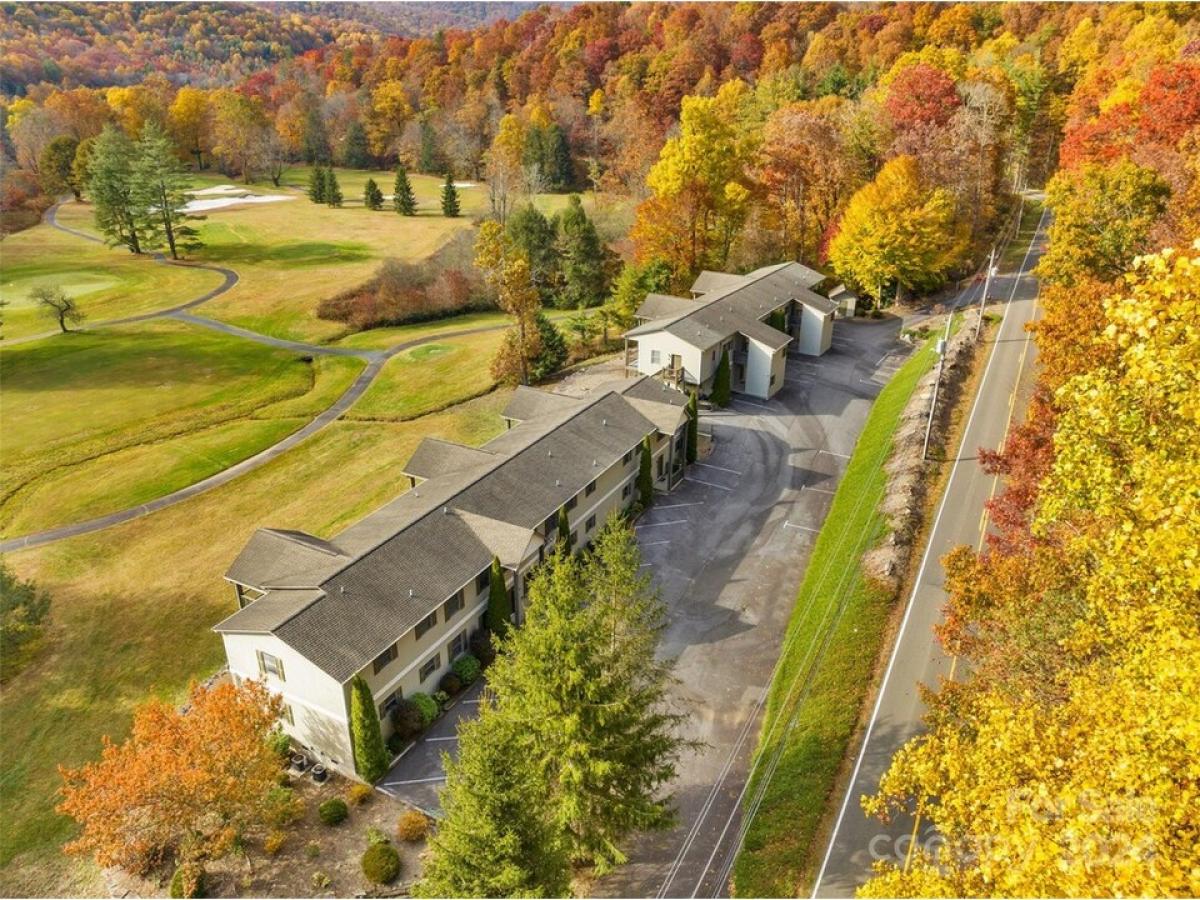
(754, 318)
(396, 597)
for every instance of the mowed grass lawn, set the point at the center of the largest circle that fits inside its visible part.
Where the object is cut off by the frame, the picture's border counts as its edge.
(98, 421)
(107, 283)
(829, 650)
(133, 607)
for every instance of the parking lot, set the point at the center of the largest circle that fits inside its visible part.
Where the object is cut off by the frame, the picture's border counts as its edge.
(727, 550)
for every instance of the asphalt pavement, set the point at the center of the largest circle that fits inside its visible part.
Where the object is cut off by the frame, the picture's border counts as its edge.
(857, 841)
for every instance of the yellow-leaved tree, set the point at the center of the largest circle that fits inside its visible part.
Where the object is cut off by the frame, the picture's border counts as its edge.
(896, 231)
(1085, 779)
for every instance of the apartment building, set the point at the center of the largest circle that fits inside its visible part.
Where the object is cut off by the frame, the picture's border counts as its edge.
(396, 596)
(754, 318)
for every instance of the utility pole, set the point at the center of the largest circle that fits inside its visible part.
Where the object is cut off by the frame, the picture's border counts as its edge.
(991, 270)
(937, 382)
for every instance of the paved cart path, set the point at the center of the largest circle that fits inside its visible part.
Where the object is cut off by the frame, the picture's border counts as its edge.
(375, 360)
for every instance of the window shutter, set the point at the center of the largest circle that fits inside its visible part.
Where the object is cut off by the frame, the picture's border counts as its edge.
(279, 666)
(262, 666)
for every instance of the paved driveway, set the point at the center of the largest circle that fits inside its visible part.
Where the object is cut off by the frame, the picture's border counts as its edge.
(727, 551)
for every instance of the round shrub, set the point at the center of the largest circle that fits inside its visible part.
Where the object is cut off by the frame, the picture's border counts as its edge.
(427, 706)
(280, 744)
(188, 881)
(467, 668)
(412, 826)
(283, 807)
(333, 811)
(274, 841)
(441, 698)
(450, 683)
(359, 794)
(407, 719)
(396, 742)
(482, 648)
(381, 864)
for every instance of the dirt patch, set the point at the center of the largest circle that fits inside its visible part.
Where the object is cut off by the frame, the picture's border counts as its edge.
(332, 869)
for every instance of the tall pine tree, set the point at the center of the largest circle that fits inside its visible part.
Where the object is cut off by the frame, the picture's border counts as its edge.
(110, 185)
(403, 199)
(370, 755)
(333, 191)
(160, 191)
(562, 540)
(498, 837)
(357, 154)
(645, 479)
(693, 428)
(316, 185)
(582, 257)
(450, 206)
(720, 388)
(583, 677)
(372, 195)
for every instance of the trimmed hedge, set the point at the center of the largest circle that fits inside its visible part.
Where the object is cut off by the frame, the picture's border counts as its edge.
(333, 811)
(427, 706)
(381, 864)
(451, 683)
(467, 668)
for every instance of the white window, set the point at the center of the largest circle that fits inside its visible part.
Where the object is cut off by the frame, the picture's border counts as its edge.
(655, 357)
(270, 665)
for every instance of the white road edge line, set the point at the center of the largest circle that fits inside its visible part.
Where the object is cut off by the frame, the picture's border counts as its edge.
(837, 825)
(831, 453)
(393, 784)
(451, 738)
(805, 487)
(787, 524)
(751, 403)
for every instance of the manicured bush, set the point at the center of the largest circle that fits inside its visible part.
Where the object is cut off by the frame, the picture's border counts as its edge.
(720, 394)
(280, 743)
(499, 608)
(441, 698)
(482, 648)
(370, 755)
(412, 827)
(312, 849)
(396, 742)
(376, 836)
(282, 806)
(359, 794)
(274, 841)
(467, 668)
(407, 719)
(381, 864)
(427, 706)
(188, 881)
(333, 811)
(450, 683)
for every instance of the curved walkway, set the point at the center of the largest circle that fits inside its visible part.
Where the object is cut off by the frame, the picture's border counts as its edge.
(375, 360)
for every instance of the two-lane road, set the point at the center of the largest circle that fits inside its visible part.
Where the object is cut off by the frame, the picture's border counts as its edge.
(857, 842)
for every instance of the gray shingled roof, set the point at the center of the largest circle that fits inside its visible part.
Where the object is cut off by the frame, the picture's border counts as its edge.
(399, 563)
(712, 281)
(530, 403)
(434, 457)
(288, 559)
(658, 306)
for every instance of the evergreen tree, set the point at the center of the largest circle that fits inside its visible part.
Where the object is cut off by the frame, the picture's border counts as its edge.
(372, 195)
(403, 199)
(553, 349)
(316, 139)
(634, 283)
(693, 428)
(532, 233)
(333, 191)
(428, 159)
(497, 836)
(449, 197)
(645, 480)
(562, 542)
(370, 755)
(560, 170)
(79, 168)
(499, 608)
(582, 255)
(160, 191)
(583, 678)
(110, 185)
(720, 390)
(316, 185)
(357, 154)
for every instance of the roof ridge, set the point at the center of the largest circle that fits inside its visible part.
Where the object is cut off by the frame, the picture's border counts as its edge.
(289, 534)
(500, 460)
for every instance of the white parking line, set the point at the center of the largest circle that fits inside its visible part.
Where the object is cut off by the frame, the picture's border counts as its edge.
(718, 468)
(805, 487)
(654, 543)
(831, 453)
(656, 524)
(719, 487)
(679, 505)
(453, 737)
(388, 784)
(801, 527)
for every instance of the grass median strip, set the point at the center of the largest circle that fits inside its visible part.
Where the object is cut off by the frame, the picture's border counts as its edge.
(829, 651)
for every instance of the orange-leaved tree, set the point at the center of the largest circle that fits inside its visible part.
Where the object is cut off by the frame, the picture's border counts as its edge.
(184, 783)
